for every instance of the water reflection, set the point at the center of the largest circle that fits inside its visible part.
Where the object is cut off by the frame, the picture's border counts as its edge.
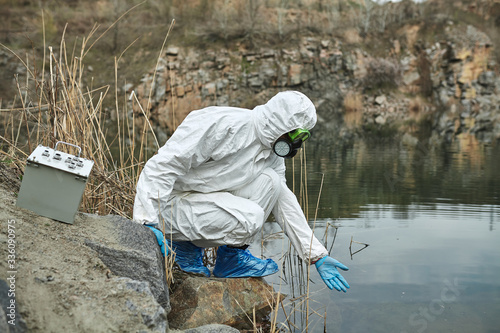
(434, 256)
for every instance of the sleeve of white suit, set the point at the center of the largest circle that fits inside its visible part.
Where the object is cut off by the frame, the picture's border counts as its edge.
(185, 149)
(290, 217)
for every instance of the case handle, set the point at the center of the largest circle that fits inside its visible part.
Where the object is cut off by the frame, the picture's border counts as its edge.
(69, 144)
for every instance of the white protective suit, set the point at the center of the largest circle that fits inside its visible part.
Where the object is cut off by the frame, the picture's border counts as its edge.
(217, 179)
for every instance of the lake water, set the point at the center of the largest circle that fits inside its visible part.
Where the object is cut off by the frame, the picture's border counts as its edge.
(431, 219)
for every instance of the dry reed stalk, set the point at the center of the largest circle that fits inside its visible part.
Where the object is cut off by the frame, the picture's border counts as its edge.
(169, 255)
(309, 262)
(148, 105)
(254, 321)
(300, 305)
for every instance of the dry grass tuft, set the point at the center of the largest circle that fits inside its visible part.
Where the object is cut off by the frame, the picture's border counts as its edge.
(57, 102)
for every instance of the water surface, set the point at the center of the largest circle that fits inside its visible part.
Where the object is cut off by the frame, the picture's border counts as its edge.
(430, 217)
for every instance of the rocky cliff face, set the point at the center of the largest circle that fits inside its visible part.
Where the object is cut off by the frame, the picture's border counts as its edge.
(450, 86)
(467, 87)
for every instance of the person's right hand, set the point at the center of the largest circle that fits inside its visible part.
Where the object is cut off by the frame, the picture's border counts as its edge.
(160, 239)
(327, 269)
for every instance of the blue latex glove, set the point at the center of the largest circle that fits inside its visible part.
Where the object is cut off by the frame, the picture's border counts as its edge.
(327, 269)
(159, 238)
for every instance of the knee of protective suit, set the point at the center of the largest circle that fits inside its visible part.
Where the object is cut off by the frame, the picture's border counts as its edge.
(275, 181)
(257, 223)
(246, 229)
(264, 190)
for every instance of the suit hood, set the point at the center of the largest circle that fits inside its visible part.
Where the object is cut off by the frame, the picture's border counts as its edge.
(283, 113)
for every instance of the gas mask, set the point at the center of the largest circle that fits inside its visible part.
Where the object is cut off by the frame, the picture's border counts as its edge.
(289, 143)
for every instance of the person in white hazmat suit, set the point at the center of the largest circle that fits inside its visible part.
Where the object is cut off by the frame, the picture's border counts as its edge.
(218, 178)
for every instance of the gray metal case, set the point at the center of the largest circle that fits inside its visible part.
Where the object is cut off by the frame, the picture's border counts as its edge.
(54, 182)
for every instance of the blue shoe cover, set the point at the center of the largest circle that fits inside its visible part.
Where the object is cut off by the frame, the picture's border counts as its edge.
(189, 257)
(238, 263)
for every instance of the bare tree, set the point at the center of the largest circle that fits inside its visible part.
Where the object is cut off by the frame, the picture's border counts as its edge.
(366, 19)
(382, 15)
(332, 9)
(224, 14)
(252, 10)
(281, 13)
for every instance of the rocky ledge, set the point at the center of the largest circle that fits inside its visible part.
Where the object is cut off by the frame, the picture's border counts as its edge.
(106, 274)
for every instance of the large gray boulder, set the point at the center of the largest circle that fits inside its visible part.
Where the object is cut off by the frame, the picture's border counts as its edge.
(128, 249)
(69, 278)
